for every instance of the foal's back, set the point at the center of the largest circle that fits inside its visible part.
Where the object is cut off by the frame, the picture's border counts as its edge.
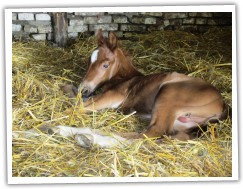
(142, 91)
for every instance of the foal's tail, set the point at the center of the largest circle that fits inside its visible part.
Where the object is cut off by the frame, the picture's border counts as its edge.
(227, 112)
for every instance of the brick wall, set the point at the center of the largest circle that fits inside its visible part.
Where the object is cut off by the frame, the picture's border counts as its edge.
(38, 26)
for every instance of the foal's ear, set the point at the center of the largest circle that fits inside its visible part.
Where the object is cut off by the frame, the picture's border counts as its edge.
(100, 38)
(112, 41)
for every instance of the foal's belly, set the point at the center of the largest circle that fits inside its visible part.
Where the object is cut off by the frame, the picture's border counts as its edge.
(141, 102)
(142, 105)
(185, 122)
(182, 126)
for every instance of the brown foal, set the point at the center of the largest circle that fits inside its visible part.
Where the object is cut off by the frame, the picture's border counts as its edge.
(175, 102)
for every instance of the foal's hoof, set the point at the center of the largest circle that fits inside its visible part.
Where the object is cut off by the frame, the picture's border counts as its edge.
(69, 111)
(131, 135)
(48, 130)
(70, 90)
(84, 140)
(181, 136)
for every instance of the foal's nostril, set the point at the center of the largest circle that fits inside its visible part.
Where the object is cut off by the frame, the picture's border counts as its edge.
(85, 91)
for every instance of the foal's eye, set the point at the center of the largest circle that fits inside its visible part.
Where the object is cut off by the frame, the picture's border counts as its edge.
(106, 65)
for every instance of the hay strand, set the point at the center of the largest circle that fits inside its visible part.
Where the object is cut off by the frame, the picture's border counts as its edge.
(40, 70)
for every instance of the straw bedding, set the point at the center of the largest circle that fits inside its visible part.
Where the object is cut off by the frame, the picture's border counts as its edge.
(40, 70)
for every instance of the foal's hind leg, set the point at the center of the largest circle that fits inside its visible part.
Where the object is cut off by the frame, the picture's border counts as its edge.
(161, 123)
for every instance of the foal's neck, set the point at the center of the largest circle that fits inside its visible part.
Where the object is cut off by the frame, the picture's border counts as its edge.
(126, 70)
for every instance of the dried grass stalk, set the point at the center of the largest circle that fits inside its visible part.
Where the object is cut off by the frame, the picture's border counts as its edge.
(39, 70)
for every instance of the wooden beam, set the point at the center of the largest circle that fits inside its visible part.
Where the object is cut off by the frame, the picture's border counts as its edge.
(60, 22)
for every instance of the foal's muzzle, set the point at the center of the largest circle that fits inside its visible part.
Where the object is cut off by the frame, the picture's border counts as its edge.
(85, 90)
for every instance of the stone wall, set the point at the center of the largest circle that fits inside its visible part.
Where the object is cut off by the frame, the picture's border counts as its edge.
(38, 26)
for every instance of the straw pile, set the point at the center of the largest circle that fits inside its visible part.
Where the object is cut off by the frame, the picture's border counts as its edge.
(40, 70)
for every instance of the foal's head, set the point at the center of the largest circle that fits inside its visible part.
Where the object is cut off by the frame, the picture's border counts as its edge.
(104, 63)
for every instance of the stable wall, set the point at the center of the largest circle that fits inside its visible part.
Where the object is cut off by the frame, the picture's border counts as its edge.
(39, 26)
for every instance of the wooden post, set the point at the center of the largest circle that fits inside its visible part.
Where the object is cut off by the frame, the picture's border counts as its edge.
(60, 22)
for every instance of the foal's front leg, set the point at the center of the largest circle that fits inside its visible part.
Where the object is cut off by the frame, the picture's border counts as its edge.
(109, 99)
